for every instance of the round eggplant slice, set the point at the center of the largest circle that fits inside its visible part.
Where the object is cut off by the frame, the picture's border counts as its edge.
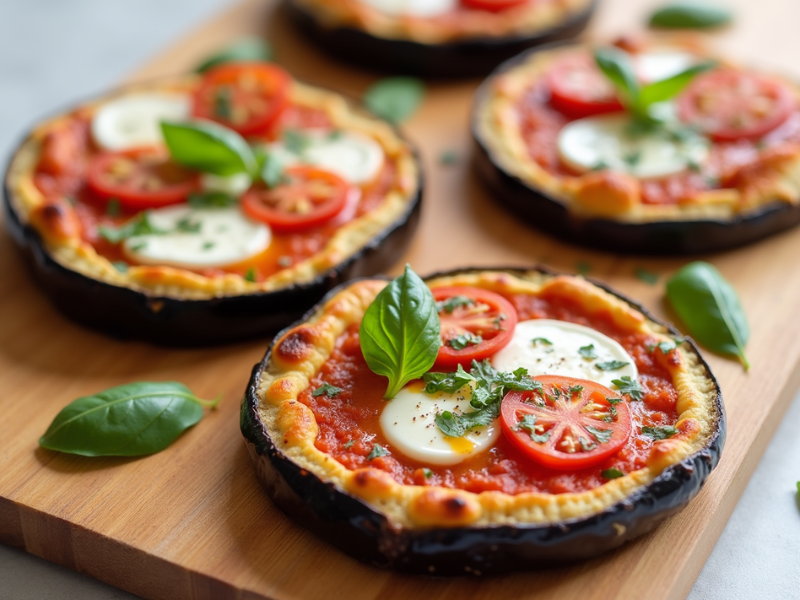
(363, 531)
(553, 216)
(128, 313)
(457, 59)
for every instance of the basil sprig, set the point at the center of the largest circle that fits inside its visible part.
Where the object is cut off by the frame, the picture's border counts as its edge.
(208, 147)
(400, 331)
(690, 14)
(129, 420)
(710, 308)
(639, 100)
(395, 98)
(247, 49)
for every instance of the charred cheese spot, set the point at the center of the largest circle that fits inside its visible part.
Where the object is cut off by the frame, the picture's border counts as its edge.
(56, 220)
(608, 193)
(442, 507)
(688, 427)
(296, 346)
(371, 484)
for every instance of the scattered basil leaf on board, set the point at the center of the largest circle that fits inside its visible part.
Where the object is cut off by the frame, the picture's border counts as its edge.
(248, 49)
(395, 98)
(208, 147)
(691, 14)
(710, 308)
(129, 420)
(400, 331)
(648, 277)
(583, 268)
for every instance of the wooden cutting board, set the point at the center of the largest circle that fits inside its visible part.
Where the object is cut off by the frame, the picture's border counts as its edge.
(192, 522)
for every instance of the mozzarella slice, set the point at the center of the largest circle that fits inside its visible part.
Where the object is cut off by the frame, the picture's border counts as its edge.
(235, 185)
(414, 8)
(354, 157)
(655, 66)
(135, 120)
(408, 422)
(562, 356)
(608, 141)
(213, 237)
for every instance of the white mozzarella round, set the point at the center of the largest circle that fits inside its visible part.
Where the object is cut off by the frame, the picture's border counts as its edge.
(608, 141)
(408, 422)
(562, 356)
(658, 65)
(354, 157)
(235, 185)
(192, 238)
(135, 120)
(414, 8)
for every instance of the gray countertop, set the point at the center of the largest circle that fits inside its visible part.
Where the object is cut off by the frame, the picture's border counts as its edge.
(85, 46)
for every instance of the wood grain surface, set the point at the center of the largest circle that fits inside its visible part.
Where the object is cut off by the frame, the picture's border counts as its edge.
(192, 522)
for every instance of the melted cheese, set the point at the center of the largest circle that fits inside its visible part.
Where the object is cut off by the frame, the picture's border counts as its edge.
(607, 141)
(562, 356)
(192, 238)
(135, 120)
(408, 422)
(235, 185)
(415, 8)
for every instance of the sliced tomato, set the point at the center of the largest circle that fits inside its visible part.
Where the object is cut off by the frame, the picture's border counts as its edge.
(140, 178)
(493, 5)
(579, 89)
(308, 197)
(475, 324)
(245, 96)
(570, 424)
(731, 105)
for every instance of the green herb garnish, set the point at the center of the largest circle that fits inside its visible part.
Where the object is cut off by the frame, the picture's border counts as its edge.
(587, 352)
(630, 387)
(211, 200)
(427, 473)
(250, 275)
(296, 141)
(659, 433)
(690, 14)
(349, 444)
(247, 49)
(648, 277)
(113, 208)
(395, 98)
(186, 225)
(446, 382)
(448, 157)
(463, 340)
(540, 340)
(120, 266)
(611, 365)
(528, 423)
(611, 474)
(328, 390)
(377, 451)
(139, 225)
(208, 147)
(601, 435)
(453, 303)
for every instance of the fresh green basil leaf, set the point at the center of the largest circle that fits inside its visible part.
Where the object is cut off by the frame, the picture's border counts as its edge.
(129, 420)
(611, 474)
(457, 425)
(327, 389)
(660, 91)
(463, 340)
(611, 365)
(618, 68)
(541, 340)
(271, 170)
(659, 433)
(690, 14)
(395, 98)
(400, 331)
(250, 275)
(648, 277)
(377, 451)
(630, 387)
(446, 382)
(139, 225)
(710, 308)
(208, 147)
(296, 141)
(211, 199)
(248, 49)
(587, 352)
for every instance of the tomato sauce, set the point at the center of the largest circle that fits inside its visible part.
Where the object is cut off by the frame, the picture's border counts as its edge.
(61, 173)
(541, 125)
(349, 423)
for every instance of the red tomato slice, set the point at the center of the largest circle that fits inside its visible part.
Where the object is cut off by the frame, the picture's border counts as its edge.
(730, 105)
(475, 324)
(140, 178)
(247, 97)
(579, 89)
(308, 197)
(570, 425)
(493, 5)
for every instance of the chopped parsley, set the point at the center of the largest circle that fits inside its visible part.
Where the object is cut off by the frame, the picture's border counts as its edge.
(113, 208)
(575, 389)
(665, 346)
(463, 340)
(633, 158)
(222, 103)
(528, 423)
(296, 141)
(328, 390)
(377, 452)
(186, 225)
(628, 386)
(659, 433)
(586, 444)
(250, 275)
(349, 444)
(446, 382)
(427, 472)
(140, 225)
(648, 277)
(208, 245)
(611, 365)
(448, 157)
(611, 474)
(541, 340)
(601, 435)
(587, 351)
(449, 305)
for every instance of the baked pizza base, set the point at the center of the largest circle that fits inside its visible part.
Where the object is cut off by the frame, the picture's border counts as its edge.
(446, 531)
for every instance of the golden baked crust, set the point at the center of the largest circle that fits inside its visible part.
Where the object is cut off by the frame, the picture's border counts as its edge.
(56, 221)
(526, 20)
(300, 353)
(774, 176)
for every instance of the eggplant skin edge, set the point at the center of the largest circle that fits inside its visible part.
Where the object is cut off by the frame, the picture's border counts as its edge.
(126, 313)
(660, 238)
(458, 59)
(362, 532)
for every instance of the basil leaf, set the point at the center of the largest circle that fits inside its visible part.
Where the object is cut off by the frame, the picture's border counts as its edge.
(453, 303)
(349, 444)
(710, 308)
(659, 91)
(395, 98)
(611, 365)
(328, 390)
(427, 472)
(377, 451)
(400, 332)
(457, 425)
(271, 170)
(611, 474)
(465, 339)
(129, 420)
(616, 65)
(541, 340)
(659, 433)
(208, 147)
(139, 225)
(587, 351)
(248, 49)
(601, 435)
(629, 386)
(211, 199)
(446, 382)
(690, 14)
